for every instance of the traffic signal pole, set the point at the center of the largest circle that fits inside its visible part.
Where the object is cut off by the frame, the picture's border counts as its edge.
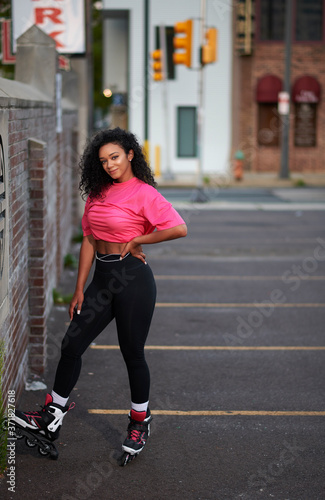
(146, 71)
(199, 194)
(168, 175)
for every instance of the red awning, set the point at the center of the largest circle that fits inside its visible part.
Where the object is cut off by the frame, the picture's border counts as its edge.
(306, 89)
(268, 88)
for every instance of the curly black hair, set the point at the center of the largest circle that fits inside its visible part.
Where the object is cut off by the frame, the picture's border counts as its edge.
(94, 178)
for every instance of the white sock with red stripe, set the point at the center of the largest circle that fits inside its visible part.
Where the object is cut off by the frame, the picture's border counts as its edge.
(139, 411)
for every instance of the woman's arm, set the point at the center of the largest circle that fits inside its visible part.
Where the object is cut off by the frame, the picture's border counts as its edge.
(86, 258)
(134, 246)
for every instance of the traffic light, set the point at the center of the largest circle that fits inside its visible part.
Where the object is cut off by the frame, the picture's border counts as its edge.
(157, 65)
(184, 42)
(209, 50)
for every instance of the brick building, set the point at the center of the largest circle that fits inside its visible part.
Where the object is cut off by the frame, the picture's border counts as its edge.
(258, 78)
(38, 192)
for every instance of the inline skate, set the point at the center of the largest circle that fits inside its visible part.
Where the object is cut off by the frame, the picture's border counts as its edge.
(41, 428)
(138, 433)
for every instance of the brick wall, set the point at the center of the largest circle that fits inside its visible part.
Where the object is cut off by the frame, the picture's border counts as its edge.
(307, 59)
(42, 197)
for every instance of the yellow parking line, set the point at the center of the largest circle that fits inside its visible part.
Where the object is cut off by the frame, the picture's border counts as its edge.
(238, 277)
(236, 304)
(218, 348)
(217, 413)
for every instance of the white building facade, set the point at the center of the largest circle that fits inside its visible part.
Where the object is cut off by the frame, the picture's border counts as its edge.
(165, 113)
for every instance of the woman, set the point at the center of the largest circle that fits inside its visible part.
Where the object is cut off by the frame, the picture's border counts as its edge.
(123, 211)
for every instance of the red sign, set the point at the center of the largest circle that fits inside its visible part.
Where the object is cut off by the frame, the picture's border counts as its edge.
(7, 56)
(63, 20)
(283, 103)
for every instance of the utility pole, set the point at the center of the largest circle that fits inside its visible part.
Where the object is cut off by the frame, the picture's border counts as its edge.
(199, 195)
(284, 171)
(90, 66)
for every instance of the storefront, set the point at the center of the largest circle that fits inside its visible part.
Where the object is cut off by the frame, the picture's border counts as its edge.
(258, 79)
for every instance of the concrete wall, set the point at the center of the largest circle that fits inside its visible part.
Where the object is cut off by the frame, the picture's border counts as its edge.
(41, 193)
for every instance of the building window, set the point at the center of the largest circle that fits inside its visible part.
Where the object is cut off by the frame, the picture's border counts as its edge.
(272, 16)
(268, 124)
(309, 25)
(308, 17)
(186, 132)
(268, 121)
(305, 124)
(306, 93)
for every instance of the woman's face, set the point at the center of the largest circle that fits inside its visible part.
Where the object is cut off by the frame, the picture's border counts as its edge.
(115, 162)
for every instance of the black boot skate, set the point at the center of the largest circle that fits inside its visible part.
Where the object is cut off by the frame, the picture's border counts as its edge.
(41, 428)
(138, 433)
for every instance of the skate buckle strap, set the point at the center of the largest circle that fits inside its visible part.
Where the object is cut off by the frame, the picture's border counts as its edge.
(138, 426)
(71, 406)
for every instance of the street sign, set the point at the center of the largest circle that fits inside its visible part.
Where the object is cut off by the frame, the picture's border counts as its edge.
(283, 103)
(63, 20)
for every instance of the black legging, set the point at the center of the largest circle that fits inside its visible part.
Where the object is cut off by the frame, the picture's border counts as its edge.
(125, 290)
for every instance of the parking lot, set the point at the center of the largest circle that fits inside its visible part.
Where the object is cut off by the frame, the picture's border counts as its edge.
(236, 353)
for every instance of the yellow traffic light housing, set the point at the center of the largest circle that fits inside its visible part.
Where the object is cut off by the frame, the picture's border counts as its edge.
(157, 65)
(209, 50)
(184, 42)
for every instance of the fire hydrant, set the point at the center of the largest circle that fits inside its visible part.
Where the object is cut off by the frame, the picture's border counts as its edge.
(239, 165)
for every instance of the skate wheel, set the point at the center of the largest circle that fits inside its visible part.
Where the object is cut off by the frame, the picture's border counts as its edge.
(126, 458)
(44, 451)
(30, 443)
(18, 433)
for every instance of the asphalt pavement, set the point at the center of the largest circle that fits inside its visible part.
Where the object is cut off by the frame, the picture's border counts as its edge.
(236, 352)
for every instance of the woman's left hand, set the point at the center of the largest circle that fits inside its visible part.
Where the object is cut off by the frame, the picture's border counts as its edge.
(134, 249)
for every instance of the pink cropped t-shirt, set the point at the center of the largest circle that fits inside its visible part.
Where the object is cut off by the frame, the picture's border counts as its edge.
(126, 210)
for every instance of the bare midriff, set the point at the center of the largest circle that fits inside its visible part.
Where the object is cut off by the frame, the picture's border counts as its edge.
(108, 247)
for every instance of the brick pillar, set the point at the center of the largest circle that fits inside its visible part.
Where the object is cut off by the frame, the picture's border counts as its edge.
(37, 151)
(36, 61)
(74, 159)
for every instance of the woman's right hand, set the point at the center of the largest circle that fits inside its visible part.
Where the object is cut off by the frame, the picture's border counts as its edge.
(86, 257)
(77, 300)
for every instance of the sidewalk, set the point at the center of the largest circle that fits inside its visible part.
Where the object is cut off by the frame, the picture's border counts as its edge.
(260, 179)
